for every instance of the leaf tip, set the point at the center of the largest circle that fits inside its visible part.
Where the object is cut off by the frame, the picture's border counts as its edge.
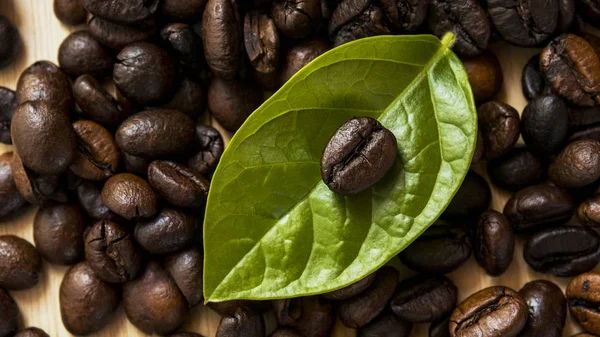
(448, 40)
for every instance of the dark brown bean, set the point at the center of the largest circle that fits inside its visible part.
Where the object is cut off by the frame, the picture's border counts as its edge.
(500, 126)
(577, 165)
(353, 20)
(262, 41)
(387, 325)
(35, 188)
(20, 263)
(185, 268)
(295, 18)
(424, 298)
(129, 196)
(302, 54)
(583, 298)
(11, 316)
(190, 99)
(8, 105)
(187, 46)
(97, 157)
(485, 75)
(10, 199)
(122, 10)
(117, 36)
(211, 146)
(544, 125)
(352, 290)
(89, 196)
(136, 165)
(231, 102)
(178, 184)
(44, 81)
(70, 12)
(245, 323)
(222, 37)
(473, 197)
(518, 169)
(547, 309)
(170, 231)
(533, 81)
(311, 316)
(95, 103)
(494, 242)
(80, 53)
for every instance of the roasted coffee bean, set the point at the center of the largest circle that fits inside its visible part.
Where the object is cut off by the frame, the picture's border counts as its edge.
(182, 11)
(526, 23)
(97, 157)
(70, 12)
(284, 332)
(295, 18)
(170, 231)
(441, 249)
(178, 184)
(583, 297)
(146, 298)
(424, 298)
(185, 268)
(262, 39)
(117, 36)
(80, 54)
(387, 325)
(190, 99)
(156, 133)
(144, 73)
(533, 81)
(187, 46)
(8, 105)
(20, 263)
(358, 311)
(406, 15)
(577, 165)
(111, 252)
(466, 19)
(500, 126)
(35, 188)
(311, 316)
(44, 81)
(89, 196)
(440, 328)
(129, 196)
(485, 75)
(566, 15)
(87, 304)
(136, 165)
(32, 332)
(357, 156)
(492, 312)
(58, 233)
(11, 316)
(572, 69)
(352, 290)
(493, 242)
(356, 19)
(518, 169)
(231, 102)
(544, 125)
(245, 323)
(211, 146)
(473, 197)
(302, 54)
(95, 103)
(563, 251)
(122, 10)
(588, 212)
(537, 206)
(10, 41)
(10, 198)
(222, 37)
(547, 309)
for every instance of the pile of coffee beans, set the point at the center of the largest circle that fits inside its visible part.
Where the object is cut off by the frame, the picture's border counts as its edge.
(121, 180)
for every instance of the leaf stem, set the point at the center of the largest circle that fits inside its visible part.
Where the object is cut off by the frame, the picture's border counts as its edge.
(448, 40)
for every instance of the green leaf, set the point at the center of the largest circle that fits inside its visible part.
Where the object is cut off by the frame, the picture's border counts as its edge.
(274, 230)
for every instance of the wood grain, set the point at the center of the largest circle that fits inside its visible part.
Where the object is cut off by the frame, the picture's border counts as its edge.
(42, 34)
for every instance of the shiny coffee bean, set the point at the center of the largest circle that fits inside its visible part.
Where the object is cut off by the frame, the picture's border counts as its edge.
(36, 189)
(533, 81)
(500, 126)
(424, 298)
(577, 165)
(186, 45)
(245, 323)
(44, 81)
(485, 75)
(296, 19)
(156, 133)
(544, 125)
(356, 19)
(89, 196)
(111, 252)
(190, 99)
(10, 199)
(80, 54)
(358, 311)
(261, 39)
(357, 156)
(95, 103)
(311, 316)
(440, 328)
(466, 19)
(122, 10)
(547, 309)
(182, 11)
(170, 231)
(185, 268)
(70, 12)
(10, 41)
(441, 249)
(588, 212)
(537, 206)
(473, 197)
(231, 102)
(8, 105)
(97, 157)
(494, 242)
(211, 146)
(302, 54)
(352, 290)
(58, 233)
(572, 69)
(387, 324)
(178, 184)
(563, 251)
(406, 15)
(492, 312)
(20, 263)
(116, 35)
(146, 298)
(518, 169)
(222, 37)
(11, 316)
(144, 73)
(583, 297)
(32, 332)
(136, 165)
(87, 304)
(129, 196)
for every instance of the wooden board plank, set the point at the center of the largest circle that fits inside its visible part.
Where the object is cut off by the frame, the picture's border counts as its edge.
(42, 34)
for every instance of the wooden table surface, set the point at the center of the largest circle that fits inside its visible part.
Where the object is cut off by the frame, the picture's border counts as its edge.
(42, 34)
